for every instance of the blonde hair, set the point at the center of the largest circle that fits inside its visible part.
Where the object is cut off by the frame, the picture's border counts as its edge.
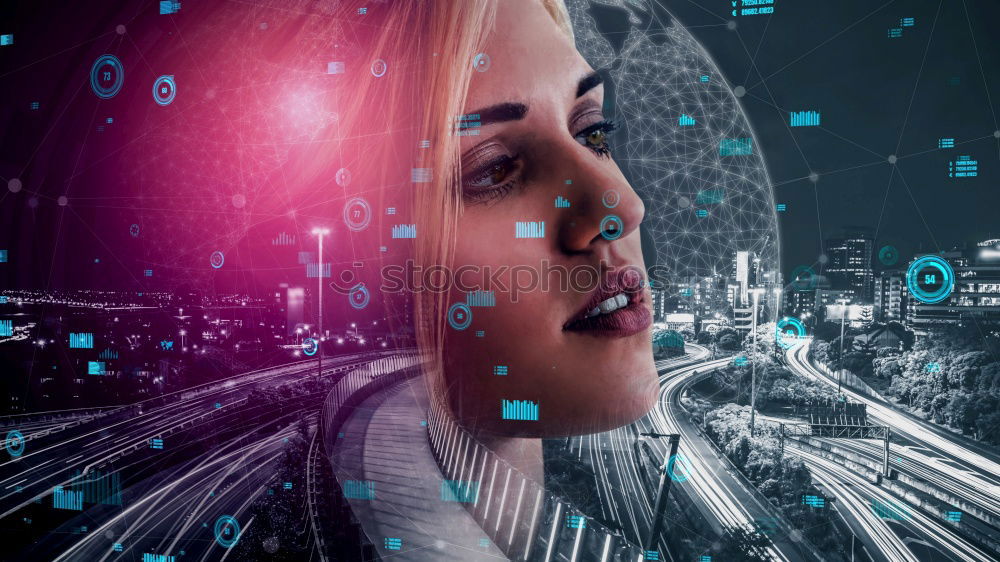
(446, 36)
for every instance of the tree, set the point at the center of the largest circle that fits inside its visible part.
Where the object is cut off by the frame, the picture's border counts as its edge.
(743, 543)
(729, 342)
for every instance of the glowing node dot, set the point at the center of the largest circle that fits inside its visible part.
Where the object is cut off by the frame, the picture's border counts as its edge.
(62, 201)
(731, 25)
(813, 177)
(14, 185)
(239, 201)
(739, 91)
(120, 30)
(892, 159)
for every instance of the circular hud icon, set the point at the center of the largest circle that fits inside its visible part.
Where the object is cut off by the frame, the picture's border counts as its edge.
(379, 67)
(357, 214)
(164, 90)
(788, 332)
(359, 296)
(459, 316)
(107, 76)
(930, 279)
(310, 347)
(227, 531)
(217, 259)
(15, 443)
(888, 255)
(481, 62)
(612, 227)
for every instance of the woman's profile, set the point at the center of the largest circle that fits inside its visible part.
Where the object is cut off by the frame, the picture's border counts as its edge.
(534, 318)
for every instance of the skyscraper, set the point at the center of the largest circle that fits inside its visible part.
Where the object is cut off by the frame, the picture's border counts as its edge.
(850, 263)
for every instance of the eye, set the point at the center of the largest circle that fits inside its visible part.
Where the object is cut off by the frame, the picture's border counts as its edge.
(595, 137)
(491, 181)
(494, 173)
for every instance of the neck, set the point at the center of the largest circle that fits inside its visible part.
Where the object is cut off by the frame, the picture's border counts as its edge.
(523, 453)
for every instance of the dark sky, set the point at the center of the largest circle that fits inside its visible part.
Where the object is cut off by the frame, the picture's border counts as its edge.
(878, 97)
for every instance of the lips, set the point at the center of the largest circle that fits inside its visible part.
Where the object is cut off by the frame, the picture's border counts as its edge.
(616, 309)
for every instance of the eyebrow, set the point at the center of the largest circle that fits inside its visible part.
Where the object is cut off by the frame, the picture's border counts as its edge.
(588, 83)
(513, 111)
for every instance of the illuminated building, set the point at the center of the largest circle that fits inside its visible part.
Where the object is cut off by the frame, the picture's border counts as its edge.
(890, 296)
(850, 265)
(976, 295)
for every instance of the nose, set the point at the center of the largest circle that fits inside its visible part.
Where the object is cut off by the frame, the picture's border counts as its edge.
(606, 210)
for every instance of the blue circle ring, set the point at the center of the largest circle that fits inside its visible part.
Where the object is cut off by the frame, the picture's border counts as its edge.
(116, 86)
(947, 279)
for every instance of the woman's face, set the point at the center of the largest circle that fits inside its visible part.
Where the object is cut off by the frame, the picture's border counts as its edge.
(541, 155)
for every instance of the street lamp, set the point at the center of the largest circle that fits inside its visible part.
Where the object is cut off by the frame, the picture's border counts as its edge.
(663, 488)
(756, 292)
(840, 363)
(319, 233)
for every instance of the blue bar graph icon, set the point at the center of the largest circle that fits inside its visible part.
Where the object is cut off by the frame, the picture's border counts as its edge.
(313, 270)
(704, 78)
(3, 299)
(576, 521)
(95, 367)
(6, 327)
(425, 143)
(156, 443)
(906, 22)
(481, 298)
(390, 210)
(286, 485)
(169, 7)
(7, 39)
(3, 256)
(83, 340)
(804, 119)
(108, 354)
(335, 67)
(701, 213)
(463, 491)
(148, 272)
(736, 147)
(781, 207)
(562, 202)
(359, 489)
(895, 32)
(500, 370)
(529, 229)
(710, 196)
(392, 543)
(147, 557)
(953, 516)
(420, 175)
(117, 547)
(404, 231)
(652, 555)
(67, 499)
(889, 510)
(524, 410)
(705, 558)
(283, 239)
(946, 143)
(685, 120)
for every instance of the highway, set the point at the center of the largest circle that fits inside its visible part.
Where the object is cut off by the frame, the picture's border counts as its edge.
(220, 439)
(720, 496)
(932, 460)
